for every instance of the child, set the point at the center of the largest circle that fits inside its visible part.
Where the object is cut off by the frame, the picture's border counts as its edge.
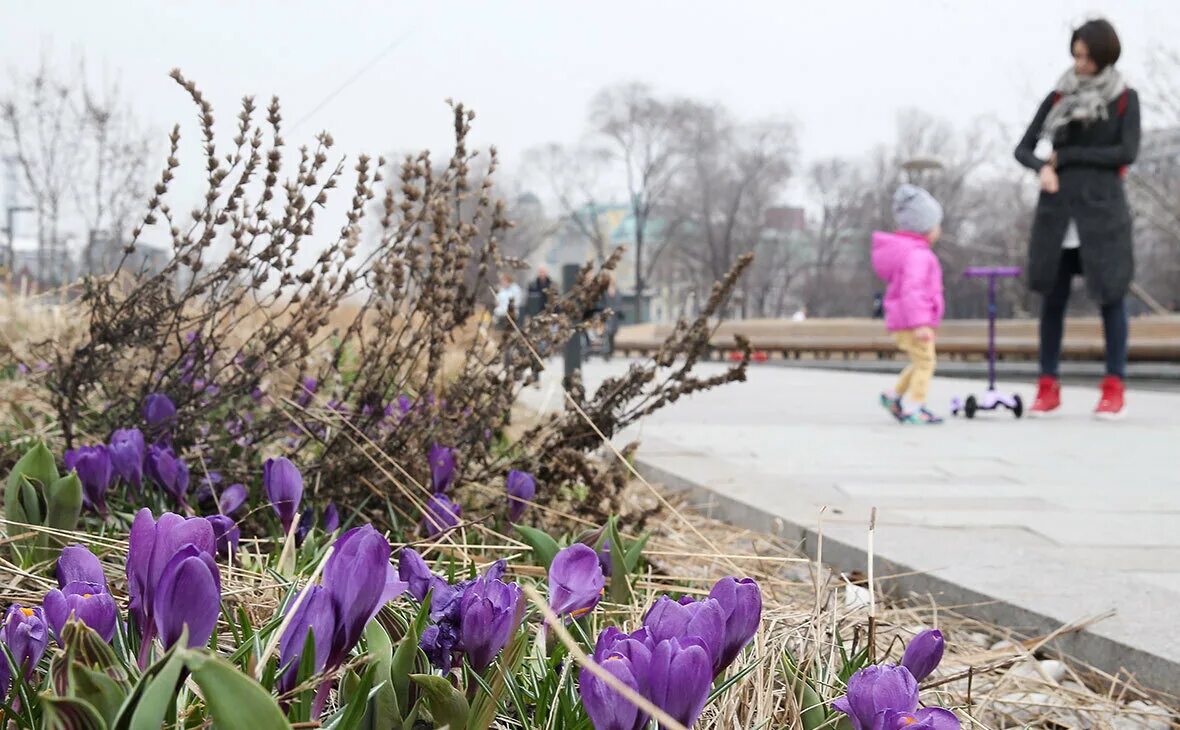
(913, 297)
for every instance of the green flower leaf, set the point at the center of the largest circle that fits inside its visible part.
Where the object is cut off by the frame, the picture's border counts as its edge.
(447, 705)
(235, 700)
(545, 548)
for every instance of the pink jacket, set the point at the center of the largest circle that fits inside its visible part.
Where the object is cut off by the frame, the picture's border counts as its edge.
(913, 296)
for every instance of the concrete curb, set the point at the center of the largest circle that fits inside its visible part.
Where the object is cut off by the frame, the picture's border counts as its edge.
(1089, 647)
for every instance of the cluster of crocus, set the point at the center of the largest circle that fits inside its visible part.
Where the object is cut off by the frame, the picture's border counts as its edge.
(172, 578)
(96, 472)
(475, 617)
(358, 580)
(81, 594)
(522, 488)
(331, 522)
(674, 657)
(885, 696)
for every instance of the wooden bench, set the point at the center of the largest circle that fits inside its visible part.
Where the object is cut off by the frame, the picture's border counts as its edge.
(1152, 338)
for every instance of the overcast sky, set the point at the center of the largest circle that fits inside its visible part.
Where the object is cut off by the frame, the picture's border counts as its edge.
(839, 69)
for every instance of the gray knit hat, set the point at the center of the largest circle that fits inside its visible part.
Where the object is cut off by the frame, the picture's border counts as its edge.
(915, 210)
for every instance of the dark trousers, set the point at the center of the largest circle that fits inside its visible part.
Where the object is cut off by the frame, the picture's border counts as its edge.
(1053, 306)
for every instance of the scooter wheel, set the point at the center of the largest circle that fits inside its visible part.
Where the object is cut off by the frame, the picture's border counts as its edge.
(970, 406)
(1018, 409)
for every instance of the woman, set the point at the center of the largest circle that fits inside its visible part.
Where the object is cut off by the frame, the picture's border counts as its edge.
(1089, 127)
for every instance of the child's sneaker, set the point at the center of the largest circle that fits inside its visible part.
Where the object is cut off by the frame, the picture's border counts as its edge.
(1112, 405)
(922, 416)
(893, 405)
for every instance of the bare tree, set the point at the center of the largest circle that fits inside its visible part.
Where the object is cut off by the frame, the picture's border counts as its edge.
(731, 175)
(40, 132)
(641, 130)
(574, 177)
(109, 186)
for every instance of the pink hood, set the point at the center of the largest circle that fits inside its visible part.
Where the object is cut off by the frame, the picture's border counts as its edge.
(913, 277)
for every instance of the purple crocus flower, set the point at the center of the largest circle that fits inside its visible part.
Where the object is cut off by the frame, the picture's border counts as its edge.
(93, 465)
(316, 614)
(226, 533)
(77, 563)
(284, 489)
(440, 514)
(360, 580)
(307, 388)
(609, 710)
(127, 452)
(87, 602)
(188, 594)
(875, 689)
(442, 467)
(928, 718)
(522, 488)
(26, 636)
(703, 620)
(151, 546)
(158, 410)
(305, 521)
(604, 558)
(331, 518)
(575, 580)
(232, 498)
(438, 642)
(924, 653)
(741, 602)
(414, 571)
(168, 471)
(679, 679)
(489, 614)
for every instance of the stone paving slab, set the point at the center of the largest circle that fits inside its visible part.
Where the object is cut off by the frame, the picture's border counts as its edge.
(1036, 523)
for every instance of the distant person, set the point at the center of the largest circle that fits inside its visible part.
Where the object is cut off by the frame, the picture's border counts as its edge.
(913, 300)
(509, 300)
(879, 306)
(1088, 129)
(799, 315)
(539, 291)
(612, 305)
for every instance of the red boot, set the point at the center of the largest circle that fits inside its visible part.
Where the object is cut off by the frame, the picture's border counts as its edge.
(1111, 406)
(1048, 397)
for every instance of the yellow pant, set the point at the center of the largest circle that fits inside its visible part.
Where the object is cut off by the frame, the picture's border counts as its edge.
(915, 379)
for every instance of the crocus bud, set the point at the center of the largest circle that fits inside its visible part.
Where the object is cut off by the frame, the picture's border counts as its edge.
(128, 451)
(875, 689)
(679, 679)
(489, 614)
(226, 533)
(188, 594)
(360, 579)
(440, 514)
(168, 471)
(331, 519)
(575, 580)
(86, 602)
(77, 563)
(414, 571)
(93, 465)
(522, 488)
(704, 620)
(232, 498)
(150, 547)
(158, 410)
(924, 653)
(316, 614)
(442, 467)
(26, 636)
(609, 710)
(741, 601)
(284, 489)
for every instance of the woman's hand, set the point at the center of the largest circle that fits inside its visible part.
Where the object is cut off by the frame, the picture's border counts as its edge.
(1049, 182)
(924, 334)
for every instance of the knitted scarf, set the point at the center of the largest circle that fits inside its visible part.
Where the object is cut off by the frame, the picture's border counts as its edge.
(1083, 99)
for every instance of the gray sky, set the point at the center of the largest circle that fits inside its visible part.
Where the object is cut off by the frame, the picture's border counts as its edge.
(840, 69)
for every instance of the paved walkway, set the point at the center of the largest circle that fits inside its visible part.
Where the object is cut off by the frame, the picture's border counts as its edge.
(1055, 520)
